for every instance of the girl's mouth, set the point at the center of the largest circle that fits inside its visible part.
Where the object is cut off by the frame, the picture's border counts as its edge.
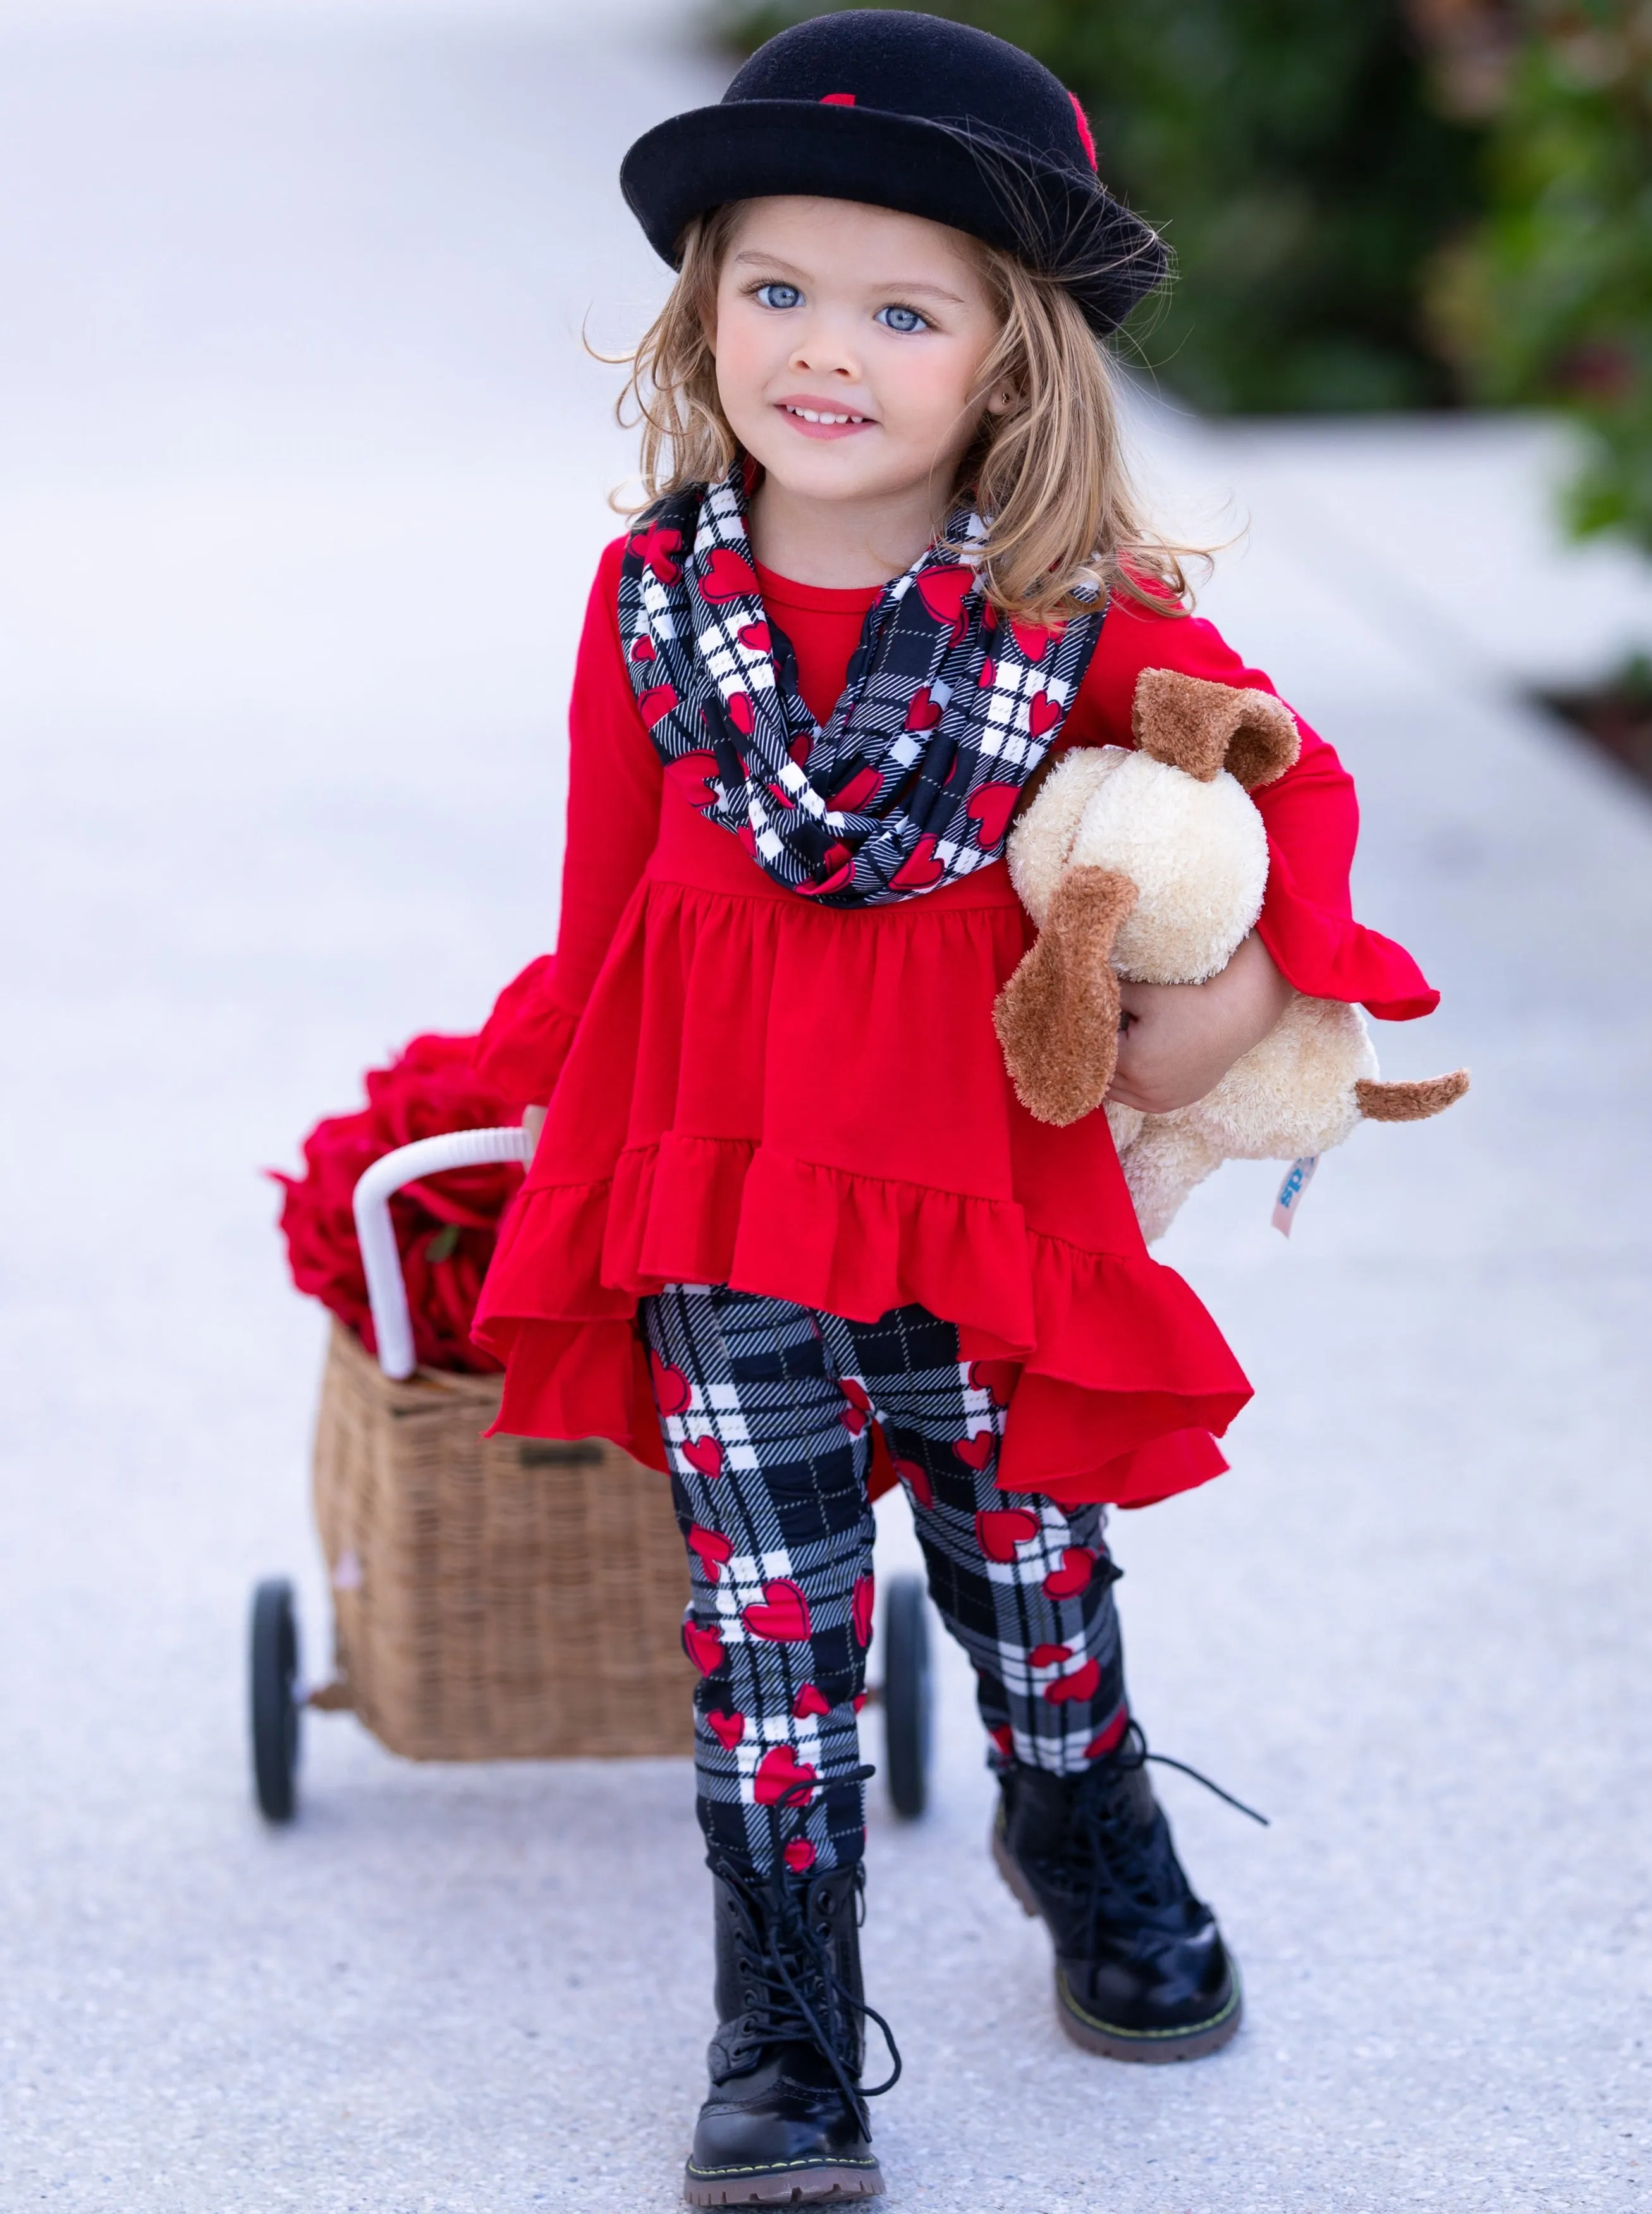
(814, 421)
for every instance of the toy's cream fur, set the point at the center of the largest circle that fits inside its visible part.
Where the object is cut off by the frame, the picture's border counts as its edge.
(1152, 866)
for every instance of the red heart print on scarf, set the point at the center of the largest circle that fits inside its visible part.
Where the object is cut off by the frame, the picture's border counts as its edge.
(799, 1855)
(996, 1377)
(704, 1454)
(713, 1547)
(810, 1700)
(943, 591)
(695, 775)
(783, 1780)
(974, 1452)
(1048, 1656)
(860, 1610)
(920, 869)
(755, 637)
(672, 1393)
(988, 675)
(915, 1477)
(856, 792)
(658, 546)
(742, 713)
(924, 714)
(643, 649)
(782, 1613)
(727, 1729)
(1000, 1529)
(1043, 714)
(1078, 1566)
(726, 576)
(990, 809)
(656, 703)
(1033, 639)
(1080, 1685)
(703, 1646)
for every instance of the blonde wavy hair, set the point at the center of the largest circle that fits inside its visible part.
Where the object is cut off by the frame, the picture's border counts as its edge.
(1050, 475)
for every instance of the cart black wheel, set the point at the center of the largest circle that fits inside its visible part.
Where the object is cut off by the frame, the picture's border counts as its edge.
(908, 1697)
(274, 1657)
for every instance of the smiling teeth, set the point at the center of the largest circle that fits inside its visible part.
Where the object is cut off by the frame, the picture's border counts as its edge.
(816, 415)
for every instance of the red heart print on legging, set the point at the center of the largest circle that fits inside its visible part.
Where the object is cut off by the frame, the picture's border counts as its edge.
(860, 1610)
(1000, 1529)
(996, 1377)
(703, 1646)
(1048, 1656)
(783, 1780)
(713, 1547)
(916, 1480)
(974, 1452)
(727, 1729)
(672, 1391)
(810, 1700)
(799, 1855)
(859, 1406)
(704, 1453)
(1078, 1566)
(782, 1614)
(1080, 1685)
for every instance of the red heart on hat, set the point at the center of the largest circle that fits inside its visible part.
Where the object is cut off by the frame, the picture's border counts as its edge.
(656, 703)
(695, 776)
(977, 1452)
(1042, 713)
(990, 809)
(713, 1547)
(920, 870)
(1080, 1685)
(855, 793)
(783, 1780)
(1078, 1566)
(799, 1855)
(943, 591)
(915, 1477)
(1000, 1529)
(642, 648)
(755, 636)
(996, 1377)
(726, 575)
(727, 1729)
(1048, 1656)
(705, 1454)
(671, 1390)
(860, 1610)
(703, 1646)
(742, 713)
(810, 1700)
(782, 1613)
(923, 714)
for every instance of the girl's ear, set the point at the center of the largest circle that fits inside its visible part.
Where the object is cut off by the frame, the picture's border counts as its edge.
(1204, 728)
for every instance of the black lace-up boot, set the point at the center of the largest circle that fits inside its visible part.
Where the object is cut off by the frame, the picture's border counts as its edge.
(786, 2117)
(1141, 1973)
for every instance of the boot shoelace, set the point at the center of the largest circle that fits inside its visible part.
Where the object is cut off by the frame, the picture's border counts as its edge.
(1142, 1860)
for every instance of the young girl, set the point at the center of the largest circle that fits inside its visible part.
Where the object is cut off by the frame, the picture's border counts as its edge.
(787, 1230)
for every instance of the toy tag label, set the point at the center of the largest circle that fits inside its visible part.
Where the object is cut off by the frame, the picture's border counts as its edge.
(1298, 1178)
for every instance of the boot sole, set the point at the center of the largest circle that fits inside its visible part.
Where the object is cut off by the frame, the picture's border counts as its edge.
(775, 2187)
(1155, 2047)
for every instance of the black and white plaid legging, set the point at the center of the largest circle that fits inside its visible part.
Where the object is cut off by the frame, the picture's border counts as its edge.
(768, 1409)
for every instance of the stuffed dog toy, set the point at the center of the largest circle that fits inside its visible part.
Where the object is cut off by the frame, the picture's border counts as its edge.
(1152, 866)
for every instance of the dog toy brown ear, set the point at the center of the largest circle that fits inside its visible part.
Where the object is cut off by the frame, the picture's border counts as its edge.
(1204, 728)
(1057, 1017)
(1412, 1102)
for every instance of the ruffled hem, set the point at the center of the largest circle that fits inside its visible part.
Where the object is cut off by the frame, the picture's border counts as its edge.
(1115, 1352)
(525, 1041)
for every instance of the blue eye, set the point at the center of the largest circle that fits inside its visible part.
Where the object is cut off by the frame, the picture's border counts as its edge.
(779, 295)
(903, 320)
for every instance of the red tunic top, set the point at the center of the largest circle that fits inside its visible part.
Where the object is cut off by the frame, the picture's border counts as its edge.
(746, 1088)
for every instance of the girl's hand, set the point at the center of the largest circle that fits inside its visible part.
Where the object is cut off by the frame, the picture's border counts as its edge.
(1177, 1042)
(533, 1121)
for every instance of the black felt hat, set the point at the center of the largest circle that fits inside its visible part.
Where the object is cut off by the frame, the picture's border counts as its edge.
(908, 112)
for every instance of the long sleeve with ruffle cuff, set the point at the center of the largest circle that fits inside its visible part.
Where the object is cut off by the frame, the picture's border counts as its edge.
(525, 1041)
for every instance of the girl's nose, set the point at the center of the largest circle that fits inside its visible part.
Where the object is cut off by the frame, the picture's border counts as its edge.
(822, 351)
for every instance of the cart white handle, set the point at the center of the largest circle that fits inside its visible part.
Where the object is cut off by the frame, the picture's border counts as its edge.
(387, 1295)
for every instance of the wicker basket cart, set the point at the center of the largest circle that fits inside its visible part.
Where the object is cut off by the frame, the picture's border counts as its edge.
(477, 1582)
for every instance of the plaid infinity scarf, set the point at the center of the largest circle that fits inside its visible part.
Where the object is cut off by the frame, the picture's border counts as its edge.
(946, 714)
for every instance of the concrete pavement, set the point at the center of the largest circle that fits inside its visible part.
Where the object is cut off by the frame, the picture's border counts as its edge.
(304, 473)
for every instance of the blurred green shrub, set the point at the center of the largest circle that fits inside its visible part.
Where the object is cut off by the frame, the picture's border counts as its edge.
(1548, 298)
(1291, 153)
